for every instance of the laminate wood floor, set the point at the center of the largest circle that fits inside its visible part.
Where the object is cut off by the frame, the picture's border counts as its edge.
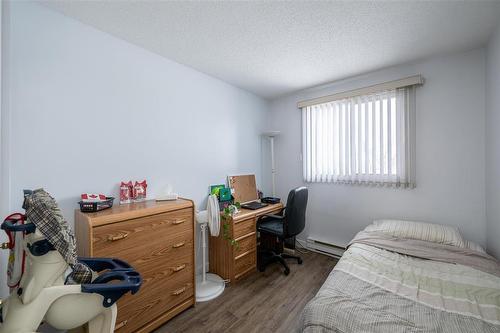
(262, 302)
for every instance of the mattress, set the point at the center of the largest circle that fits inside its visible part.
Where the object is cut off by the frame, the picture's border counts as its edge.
(385, 284)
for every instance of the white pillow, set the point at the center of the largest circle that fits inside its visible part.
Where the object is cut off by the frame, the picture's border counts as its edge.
(429, 232)
(475, 247)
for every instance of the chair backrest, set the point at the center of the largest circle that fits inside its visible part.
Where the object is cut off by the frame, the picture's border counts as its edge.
(295, 212)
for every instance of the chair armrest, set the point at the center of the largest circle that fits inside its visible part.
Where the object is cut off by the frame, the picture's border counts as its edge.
(271, 216)
(277, 217)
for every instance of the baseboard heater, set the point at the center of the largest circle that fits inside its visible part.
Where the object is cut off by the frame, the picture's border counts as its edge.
(325, 248)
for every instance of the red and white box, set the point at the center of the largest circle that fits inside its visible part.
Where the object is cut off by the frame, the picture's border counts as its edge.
(140, 191)
(126, 192)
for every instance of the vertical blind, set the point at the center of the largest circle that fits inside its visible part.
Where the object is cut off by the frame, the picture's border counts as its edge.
(365, 139)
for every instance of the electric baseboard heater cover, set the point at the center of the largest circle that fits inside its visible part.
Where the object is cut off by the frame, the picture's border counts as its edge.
(325, 247)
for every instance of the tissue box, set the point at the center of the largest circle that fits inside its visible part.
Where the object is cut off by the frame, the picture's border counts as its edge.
(167, 197)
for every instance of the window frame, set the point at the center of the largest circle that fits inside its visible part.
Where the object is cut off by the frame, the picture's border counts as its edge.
(405, 171)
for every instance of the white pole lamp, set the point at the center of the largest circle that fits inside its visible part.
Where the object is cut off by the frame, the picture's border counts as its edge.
(271, 135)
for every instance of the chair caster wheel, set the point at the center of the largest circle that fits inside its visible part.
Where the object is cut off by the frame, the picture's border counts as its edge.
(299, 261)
(287, 271)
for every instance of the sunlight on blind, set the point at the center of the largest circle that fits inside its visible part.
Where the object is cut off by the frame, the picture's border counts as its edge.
(362, 139)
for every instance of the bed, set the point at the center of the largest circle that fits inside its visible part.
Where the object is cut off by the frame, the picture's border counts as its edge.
(399, 276)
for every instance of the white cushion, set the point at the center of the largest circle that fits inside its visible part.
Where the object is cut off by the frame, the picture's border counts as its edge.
(475, 247)
(429, 232)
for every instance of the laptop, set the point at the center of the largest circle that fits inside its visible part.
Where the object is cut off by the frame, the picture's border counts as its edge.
(253, 205)
(244, 190)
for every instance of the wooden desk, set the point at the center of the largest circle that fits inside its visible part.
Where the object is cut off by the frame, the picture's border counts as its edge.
(235, 262)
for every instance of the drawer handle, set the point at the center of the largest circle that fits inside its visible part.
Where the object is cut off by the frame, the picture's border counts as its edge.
(118, 237)
(120, 325)
(175, 246)
(178, 221)
(179, 291)
(179, 268)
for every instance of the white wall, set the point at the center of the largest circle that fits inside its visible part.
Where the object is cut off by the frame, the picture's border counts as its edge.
(493, 144)
(3, 170)
(89, 110)
(450, 154)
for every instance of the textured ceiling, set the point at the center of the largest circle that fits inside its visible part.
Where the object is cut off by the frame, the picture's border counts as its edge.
(273, 48)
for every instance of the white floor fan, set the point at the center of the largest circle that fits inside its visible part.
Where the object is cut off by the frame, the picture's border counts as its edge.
(208, 285)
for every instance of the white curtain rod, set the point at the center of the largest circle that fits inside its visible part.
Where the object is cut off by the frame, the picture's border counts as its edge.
(408, 81)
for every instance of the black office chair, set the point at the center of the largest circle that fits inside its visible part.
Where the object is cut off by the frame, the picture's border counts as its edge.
(282, 227)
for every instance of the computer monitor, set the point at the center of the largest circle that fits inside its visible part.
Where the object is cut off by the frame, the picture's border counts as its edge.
(243, 188)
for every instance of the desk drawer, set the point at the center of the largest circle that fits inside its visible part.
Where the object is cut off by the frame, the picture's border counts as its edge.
(246, 244)
(244, 265)
(244, 227)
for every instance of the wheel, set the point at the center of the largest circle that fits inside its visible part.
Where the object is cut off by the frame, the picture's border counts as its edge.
(261, 268)
(287, 271)
(300, 261)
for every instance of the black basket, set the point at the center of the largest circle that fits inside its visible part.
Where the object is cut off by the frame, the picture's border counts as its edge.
(91, 207)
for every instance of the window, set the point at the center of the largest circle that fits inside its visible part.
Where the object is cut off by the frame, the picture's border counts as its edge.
(363, 139)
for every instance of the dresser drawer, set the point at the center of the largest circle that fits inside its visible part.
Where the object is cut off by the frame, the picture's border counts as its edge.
(245, 244)
(157, 296)
(166, 263)
(244, 264)
(149, 256)
(125, 238)
(139, 228)
(244, 227)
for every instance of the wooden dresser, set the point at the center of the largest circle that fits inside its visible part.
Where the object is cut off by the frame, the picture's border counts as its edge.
(235, 262)
(157, 239)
